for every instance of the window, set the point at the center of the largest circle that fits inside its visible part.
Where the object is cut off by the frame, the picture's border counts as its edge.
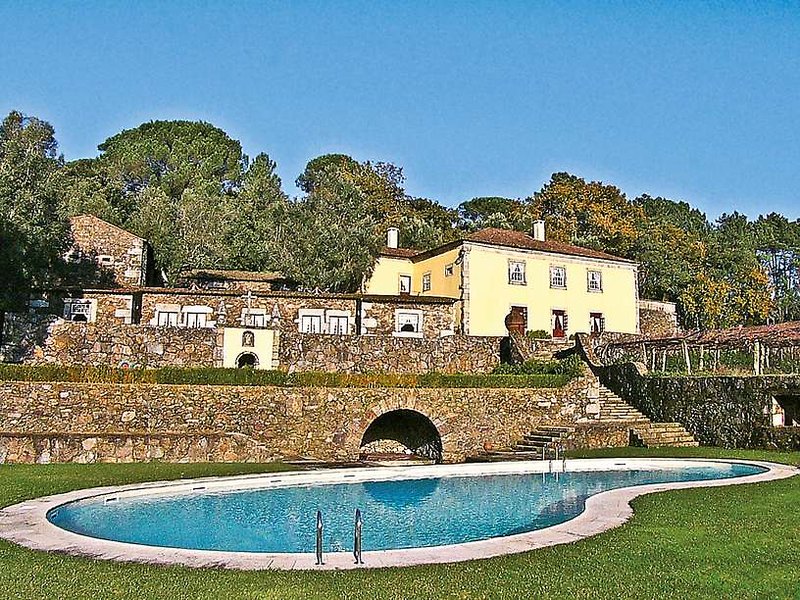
(338, 325)
(195, 320)
(78, 310)
(594, 281)
(408, 322)
(105, 259)
(449, 270)
(405, 284)
(558, 277)
(516, 272)
(166, 318)
(426, 282)
(254, 317)
(310, 323)
(248, 339)
(597, 323)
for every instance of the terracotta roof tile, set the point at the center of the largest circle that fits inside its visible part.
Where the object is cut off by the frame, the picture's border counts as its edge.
(517, 239)
(399, 252)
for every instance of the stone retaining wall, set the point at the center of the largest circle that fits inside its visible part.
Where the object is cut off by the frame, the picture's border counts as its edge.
(730, 412)
(41, 422)
(370, 354)
(55, 341)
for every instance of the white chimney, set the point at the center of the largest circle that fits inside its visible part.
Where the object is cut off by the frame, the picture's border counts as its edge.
(538, 230)
(392, 237)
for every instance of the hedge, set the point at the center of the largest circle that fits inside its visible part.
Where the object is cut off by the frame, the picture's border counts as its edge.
(220, 376)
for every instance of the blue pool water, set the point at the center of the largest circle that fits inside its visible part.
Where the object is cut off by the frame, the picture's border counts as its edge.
(396, 514)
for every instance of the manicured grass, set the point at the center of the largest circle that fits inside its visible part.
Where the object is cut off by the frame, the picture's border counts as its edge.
(734, 542)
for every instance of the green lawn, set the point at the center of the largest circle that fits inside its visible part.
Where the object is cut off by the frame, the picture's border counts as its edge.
(736, 542)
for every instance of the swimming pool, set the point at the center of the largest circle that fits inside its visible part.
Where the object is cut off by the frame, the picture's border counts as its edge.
(411, 515)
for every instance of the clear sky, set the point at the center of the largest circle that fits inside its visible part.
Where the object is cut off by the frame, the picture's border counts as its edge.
(698, 101)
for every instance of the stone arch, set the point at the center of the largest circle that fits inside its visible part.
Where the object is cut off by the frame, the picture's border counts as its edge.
(247, 359)
(405, 430)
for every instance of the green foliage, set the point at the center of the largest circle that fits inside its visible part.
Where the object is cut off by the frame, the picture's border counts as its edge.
(570, 367)
(220, 376)
(33, 228)
(538, 334)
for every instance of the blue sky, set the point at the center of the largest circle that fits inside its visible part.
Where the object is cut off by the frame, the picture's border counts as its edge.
(694, 101)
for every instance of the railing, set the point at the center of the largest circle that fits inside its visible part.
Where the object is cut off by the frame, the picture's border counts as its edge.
(357, 538)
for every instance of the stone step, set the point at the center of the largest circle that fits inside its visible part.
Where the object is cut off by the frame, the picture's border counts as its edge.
(539, 439)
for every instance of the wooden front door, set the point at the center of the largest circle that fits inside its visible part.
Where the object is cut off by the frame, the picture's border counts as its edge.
(559, 323)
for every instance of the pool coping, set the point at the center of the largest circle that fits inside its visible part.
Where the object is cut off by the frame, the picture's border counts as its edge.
(26, 523)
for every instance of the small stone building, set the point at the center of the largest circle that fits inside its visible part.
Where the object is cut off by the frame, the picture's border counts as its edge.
(106, 256)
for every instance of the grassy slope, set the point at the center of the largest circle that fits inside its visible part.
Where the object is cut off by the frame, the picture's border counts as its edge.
(736, 542)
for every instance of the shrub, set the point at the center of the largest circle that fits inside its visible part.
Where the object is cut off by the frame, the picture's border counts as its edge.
(220, 376)
(570, 367)
(538, 334)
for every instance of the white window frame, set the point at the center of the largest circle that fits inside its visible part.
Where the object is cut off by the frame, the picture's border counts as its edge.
(334, 320)
(254, 317)
(404, 284)
(426, 282)
(311, 320)
(558, 277)
(594, 281)
(404, 316)
(197, 317)
(516, 272)
(80, 306)
(601, 322)
(167, 318)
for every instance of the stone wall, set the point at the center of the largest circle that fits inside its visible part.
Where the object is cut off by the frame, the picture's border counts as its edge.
(731, 412)
(119, 423)
(56, 341)
(370, 354)
(658, 319)
(120, 258)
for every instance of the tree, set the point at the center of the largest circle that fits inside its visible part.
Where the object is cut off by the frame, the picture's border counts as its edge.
(670, 247)
(33, 228)
(254, 215)
(493, 211)
(777, 242)
(174, 183)
(329, 239)
(590, 214)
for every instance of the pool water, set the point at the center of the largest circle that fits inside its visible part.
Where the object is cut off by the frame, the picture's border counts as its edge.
(408, 513)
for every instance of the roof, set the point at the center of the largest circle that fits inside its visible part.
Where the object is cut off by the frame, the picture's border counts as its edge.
(90, 217)
(399, 252)
(395, 298)
(517, 239)
(226, 275)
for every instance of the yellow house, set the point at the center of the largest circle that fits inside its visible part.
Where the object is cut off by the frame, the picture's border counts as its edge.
(551, 286)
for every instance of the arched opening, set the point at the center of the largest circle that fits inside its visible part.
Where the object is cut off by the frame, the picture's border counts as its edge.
(79, 318)
(402, 433)
(247, 359)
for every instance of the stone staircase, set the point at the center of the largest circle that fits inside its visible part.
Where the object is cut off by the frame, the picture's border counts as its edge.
(541, 442)
(543, 439)
(644, 432)
(659, 435)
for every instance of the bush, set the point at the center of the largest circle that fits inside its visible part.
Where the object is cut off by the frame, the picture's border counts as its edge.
(220, 376)
(538, 334)
(570, 367)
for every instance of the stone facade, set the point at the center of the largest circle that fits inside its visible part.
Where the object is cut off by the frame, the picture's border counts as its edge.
(372, 354)
(56, 341)
(42, 422)
(120, 259)
(658, 319)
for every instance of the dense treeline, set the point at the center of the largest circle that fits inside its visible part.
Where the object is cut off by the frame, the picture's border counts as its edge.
(189, 189)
